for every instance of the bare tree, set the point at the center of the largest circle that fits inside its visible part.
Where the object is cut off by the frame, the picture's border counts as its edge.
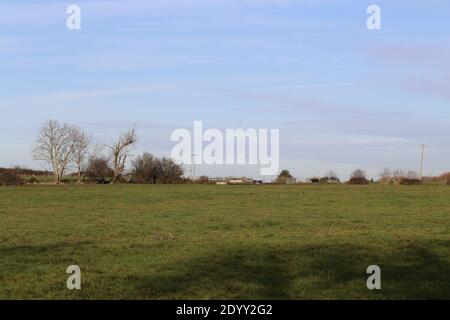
(81, 146)
(55, 145)
(386, 176)
(398, 173)
(120, 151)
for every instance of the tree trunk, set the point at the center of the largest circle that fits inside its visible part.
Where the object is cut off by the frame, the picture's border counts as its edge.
(79, 173)
(55, 176)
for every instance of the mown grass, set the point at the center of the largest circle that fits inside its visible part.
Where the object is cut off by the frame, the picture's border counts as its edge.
(225, 242)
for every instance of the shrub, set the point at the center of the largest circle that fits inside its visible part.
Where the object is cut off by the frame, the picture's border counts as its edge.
(146, 169)
(203, 180)
(171, 172)
(283, 177)
(410, 182)
(399, 177)
(124, 178)
(149, 169)
(26, 172)
(358, 181)
(445, 178)
(10, 179)
(98, 171)
(358, 177)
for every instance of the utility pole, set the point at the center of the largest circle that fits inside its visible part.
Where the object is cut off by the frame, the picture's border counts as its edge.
(193, 166)
(422, 146)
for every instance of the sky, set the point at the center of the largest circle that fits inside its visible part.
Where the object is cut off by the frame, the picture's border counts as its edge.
(343, 97)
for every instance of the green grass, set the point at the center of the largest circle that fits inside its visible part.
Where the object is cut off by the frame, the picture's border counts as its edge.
(225, 242)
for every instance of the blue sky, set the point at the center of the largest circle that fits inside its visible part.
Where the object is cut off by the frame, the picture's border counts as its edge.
(342, 96)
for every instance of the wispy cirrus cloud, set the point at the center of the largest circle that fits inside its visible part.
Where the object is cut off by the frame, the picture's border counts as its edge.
(423, 68)
(64, 96)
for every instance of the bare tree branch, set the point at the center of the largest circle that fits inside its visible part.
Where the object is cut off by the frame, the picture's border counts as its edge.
(120, 151)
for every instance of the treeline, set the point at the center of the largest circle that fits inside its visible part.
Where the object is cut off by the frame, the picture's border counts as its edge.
(68, 150)
(16, 176)
(358, 176)
(25, 171)
(145, 169)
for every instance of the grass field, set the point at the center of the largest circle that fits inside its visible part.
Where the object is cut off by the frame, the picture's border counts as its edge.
(225, 242)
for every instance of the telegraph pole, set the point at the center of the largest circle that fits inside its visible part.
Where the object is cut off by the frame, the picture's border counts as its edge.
(193, 166)
(422, 146)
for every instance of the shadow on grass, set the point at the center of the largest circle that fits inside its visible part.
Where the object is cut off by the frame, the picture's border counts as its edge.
(309, 272)
(420, 270)
(17, 259)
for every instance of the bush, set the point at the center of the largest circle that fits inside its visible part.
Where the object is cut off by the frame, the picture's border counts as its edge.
(203, 180)
(98, 171)
(10, 179)
(445, 178)
(358, 177)
(171, 172)
(410, 182)
(283, 177)
(149, 169)
(399, 177)
(146, 169)
(358, 181)
(26, 172)
(124, 179)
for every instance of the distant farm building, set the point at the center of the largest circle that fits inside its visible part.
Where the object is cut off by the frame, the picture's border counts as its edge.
(330, 180)
(291, 181)
(235, 181)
